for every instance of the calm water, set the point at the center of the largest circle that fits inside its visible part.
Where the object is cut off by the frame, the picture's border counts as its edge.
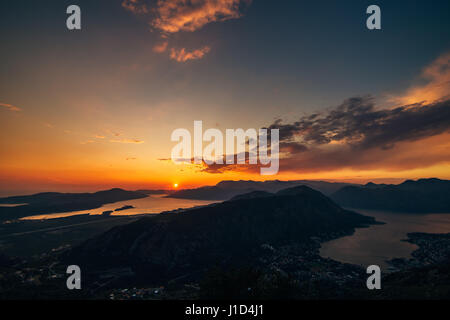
(378, 243)
(150, 205)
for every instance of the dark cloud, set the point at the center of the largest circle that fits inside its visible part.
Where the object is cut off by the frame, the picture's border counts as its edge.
(292, 147)
(356, 134)
(357, 123)
(219, 167)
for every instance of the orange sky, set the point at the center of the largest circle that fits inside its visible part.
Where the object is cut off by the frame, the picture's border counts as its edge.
(99, 115)
(91, 147)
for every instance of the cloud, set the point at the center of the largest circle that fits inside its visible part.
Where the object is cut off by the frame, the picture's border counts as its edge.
(357, 123)
(113, 133)
(182, 55)
(357, 135)
(292, 148)
(190, 15)
(137, 141)
(160, 47)
(173, 16)
(408, 155)
(224, 167)
(10, 107)
(87, 142)
(436, 86)
(135, 6)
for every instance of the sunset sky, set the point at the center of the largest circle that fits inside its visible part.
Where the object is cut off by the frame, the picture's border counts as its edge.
(95, 109)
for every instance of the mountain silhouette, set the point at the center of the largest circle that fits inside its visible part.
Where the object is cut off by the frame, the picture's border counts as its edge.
(54, 202)
(421, 196)
(226, 190)
(171, 245)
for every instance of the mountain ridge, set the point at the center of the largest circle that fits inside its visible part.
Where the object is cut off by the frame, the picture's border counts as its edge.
(227, 189)
(54, 202)
(421, 196)
(171, 245)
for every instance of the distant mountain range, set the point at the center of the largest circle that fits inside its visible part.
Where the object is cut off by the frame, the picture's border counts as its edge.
(172, 245)
(54, 202)
(226, 190)
(422, 196)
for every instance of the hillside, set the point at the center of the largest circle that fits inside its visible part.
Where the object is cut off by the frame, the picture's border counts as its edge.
(173, 245)
(54, 202)
(421, 196)
(226, 190)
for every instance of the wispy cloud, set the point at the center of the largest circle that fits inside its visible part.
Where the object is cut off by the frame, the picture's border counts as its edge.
(135, 6)
(190, 15)
(10, 107)
(160, 47)
(137, 141)
(437, 83)
(113, 133)
(173, 16)
(87, 142)
(182, 55)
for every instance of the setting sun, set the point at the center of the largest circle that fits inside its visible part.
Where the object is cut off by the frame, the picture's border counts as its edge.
(175, 185)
